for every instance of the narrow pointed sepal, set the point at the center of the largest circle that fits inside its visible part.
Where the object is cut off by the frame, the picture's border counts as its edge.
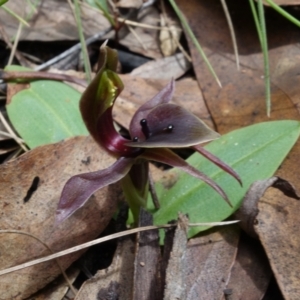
(218, 162)
(168, 157)
(80, 188)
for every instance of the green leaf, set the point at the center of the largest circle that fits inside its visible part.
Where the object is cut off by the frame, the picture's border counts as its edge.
(2, 2)
(255, 152)
(46, 112)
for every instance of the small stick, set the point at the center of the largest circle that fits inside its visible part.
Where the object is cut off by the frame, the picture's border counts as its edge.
(15, 75)
(71, 50)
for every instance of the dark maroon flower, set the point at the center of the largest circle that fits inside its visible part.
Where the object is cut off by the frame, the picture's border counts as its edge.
(156, 128)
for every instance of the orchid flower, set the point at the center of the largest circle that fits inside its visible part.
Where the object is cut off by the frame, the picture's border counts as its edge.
(157, 127)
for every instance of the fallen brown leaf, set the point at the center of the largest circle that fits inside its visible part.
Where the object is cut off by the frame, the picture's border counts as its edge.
(251, 273)
(164, 68)
(278, 223)
(270, 214)
(130, 4)
(33, 211)
(144, 40)
(169, 37)
(58, 288)
(241, 101)
(209, 259)
(248, 211)
(52, 20)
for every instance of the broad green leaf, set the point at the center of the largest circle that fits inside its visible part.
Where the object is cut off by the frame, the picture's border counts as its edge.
(46, 112)
(255, 152)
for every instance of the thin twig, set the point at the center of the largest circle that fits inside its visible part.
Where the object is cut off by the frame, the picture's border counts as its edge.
(131, 22)
(10, 136)
(101, 240)
(75, 48)
(95, 37)
(15, 45)
(15, 154)
(8, 128)
(153, 191)
(18, 55)
(137, 37)
(17, 75)
(143, 25)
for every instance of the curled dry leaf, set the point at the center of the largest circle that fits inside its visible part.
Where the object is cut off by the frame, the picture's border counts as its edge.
(274, 219)
(30, 189)
(248, 211)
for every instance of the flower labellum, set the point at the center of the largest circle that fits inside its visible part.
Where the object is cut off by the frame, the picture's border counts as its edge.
(156, 128)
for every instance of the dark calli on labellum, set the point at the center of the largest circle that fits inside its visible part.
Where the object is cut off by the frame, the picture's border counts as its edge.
(156, 128)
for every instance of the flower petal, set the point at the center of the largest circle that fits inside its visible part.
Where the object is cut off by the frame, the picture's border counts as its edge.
(172, 126)
(164, 96)
(101, 92)
(80, 188)
(218, 162)
(168, 157)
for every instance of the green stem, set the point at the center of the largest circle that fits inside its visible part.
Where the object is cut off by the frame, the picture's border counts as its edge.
(194, 39)
(133, 198)
(86, 60)
(283, 12)
(259, 20)
(8, 10)
(256, 20)
(106, 14)
(261, 15)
